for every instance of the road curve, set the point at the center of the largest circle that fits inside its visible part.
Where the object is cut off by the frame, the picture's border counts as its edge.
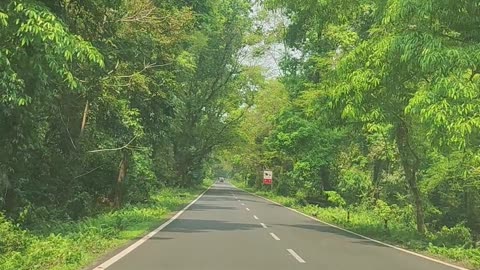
(230, 229)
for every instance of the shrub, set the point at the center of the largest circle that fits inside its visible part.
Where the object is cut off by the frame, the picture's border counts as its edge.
(73, 244)
(301, 197)
(457, 236)
(11, 238)
(385, 212)
(284, 186)
(471, 256)
(80, 205)
(311, 210)
(335, 199)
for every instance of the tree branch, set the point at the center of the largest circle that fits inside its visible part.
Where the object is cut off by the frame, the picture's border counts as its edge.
(139, 15)
(68, 132)
(84, 119)
(146, 67)
(78, 176)
(113, 149)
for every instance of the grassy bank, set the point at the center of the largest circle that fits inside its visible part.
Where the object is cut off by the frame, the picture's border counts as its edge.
(77, 245)
(400, 233)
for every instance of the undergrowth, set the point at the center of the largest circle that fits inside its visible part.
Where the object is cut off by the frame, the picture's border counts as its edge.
(449, 243)
(77, 244)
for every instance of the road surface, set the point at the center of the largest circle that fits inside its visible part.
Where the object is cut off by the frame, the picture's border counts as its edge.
(228, 229)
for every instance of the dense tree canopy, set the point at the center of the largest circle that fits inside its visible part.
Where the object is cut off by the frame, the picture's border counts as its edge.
(383, 109)
(376, 110)
(102, 101)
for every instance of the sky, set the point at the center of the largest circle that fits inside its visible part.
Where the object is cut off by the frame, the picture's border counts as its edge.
(274, 52)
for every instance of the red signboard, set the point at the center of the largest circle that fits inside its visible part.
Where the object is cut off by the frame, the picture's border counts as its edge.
(267, 177)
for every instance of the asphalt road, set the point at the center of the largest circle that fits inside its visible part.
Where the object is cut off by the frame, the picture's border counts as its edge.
(230, 229)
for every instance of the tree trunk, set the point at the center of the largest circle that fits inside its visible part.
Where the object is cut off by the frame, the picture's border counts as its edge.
(84, 119)
(122, 173)
(10, 201)
(325, 177)
(377, 169)
(409, 163)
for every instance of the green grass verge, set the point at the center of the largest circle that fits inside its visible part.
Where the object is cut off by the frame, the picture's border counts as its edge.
(366, 222)
(76, 245)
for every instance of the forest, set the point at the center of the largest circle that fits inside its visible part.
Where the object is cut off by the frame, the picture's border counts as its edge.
(104, 104)
(374, 122)
(114, 113)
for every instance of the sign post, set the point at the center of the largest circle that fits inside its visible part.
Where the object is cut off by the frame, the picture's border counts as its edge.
(267, 177)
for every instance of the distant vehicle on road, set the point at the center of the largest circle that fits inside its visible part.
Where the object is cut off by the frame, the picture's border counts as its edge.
(221, 179)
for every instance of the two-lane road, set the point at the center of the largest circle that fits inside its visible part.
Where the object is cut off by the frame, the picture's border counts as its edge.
(230, 229)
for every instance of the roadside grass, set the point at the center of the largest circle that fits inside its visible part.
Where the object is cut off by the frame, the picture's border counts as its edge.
(366, 222)
(75, 245)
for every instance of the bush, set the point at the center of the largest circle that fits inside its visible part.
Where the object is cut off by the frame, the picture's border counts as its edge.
(335, 199)
(458, 236)
(454, 243)
(80, 205)
(284, 186)
(472, 255)
(142, 179)
(11, 238)
(311, 210)
(71, 245)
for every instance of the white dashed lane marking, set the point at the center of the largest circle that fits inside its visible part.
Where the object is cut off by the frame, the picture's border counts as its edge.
(274, 236)
(296, 256)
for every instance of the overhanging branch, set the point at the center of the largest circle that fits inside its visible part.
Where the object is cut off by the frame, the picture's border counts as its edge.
(113, 149)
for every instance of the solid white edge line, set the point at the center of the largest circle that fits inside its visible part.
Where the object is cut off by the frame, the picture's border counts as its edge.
(255, 217)
(362, 236)
(263, 225)
(274, 236)
(296, 256)
(135, 245)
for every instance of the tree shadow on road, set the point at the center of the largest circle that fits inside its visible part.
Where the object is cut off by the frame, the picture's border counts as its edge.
(322, 228)
(205, 226)
(276, 205)
(250, 200)
(155, 237)
(206, 207)
(211, 198)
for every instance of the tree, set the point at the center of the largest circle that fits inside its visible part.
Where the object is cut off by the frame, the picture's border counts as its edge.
(98, 94)
(397, 71)
(212, 92)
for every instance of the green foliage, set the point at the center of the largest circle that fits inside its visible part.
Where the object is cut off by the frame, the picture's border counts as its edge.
(449, 242)
(102, 104)
(74, 245)
(31, 25)
(94, 113)
(382, 112)
(376, 112)
(12, 238)
(335, 199)
(386, 212)
(472, 256)
(457, 236)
